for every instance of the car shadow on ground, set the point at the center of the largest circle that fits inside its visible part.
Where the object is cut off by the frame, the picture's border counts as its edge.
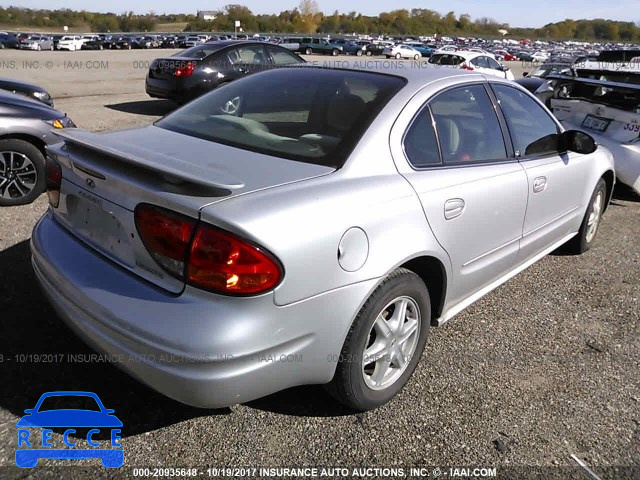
(624, 193)
(145, 107)
(40, 354)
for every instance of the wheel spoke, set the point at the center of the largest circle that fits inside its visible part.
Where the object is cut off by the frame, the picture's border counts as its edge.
(375, 352)
(399, 315)
(380, 372)
(408, 330)
(382, 327)
(399, 360)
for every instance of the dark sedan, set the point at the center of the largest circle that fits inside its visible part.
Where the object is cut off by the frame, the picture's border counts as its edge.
(202, 68)
(32, 91)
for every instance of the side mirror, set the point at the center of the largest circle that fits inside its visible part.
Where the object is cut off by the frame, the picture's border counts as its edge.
(524, 74)
(579, 142)
(503, 68)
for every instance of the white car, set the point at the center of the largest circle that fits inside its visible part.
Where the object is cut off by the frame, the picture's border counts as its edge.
(473, 61)
(607, 107)
(540, 56)
(402, 51)
(71, 43)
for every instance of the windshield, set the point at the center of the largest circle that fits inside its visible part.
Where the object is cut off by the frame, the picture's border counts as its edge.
(68, 402)
(307, 114)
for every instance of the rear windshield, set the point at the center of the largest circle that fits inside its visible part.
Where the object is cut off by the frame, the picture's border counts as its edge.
(312, 115)
(199, 51)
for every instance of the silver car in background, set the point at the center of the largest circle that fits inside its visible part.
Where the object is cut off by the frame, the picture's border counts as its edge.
(26, 127)
(37, 42)
(308, 226)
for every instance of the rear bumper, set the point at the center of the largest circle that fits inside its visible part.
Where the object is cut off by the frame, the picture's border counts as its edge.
(626, 157)
(198, 348)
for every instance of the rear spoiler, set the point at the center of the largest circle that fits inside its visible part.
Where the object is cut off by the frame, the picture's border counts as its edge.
(593, 81)
(156, 162)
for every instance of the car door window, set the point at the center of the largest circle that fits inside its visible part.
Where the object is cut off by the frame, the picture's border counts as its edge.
(493, 64)
(533, 130)
(251, 55)
(283, 57)
(467, 126)
(480, 62)
(420, 142)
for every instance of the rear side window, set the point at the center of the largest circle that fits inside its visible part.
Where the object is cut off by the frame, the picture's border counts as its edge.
(532, 129)
(467, 126)
(420, 142)
(283, 57)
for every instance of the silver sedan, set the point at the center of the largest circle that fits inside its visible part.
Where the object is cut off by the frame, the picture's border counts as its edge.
(308, 226)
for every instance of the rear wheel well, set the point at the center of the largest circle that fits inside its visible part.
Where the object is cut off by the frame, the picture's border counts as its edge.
(434, 276)
(38, 143)
(609, 179)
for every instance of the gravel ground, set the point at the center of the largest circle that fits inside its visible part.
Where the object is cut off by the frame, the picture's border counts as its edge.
(544, 367)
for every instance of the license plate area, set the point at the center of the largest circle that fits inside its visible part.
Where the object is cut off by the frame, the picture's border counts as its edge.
(96, 221)
(598, 124)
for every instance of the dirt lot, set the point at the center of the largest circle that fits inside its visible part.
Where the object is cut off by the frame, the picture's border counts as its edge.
(545, 367)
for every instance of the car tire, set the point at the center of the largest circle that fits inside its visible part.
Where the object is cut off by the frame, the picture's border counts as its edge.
(359, 53)
(586, 236)
(388, 56)
(39, 47)
(354, 383)
(398, 56)
(308, 51)
(335, 52)
(28, 164)
(369, 53)
(416, 57)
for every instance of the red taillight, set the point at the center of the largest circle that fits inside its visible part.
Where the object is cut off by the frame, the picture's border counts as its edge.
(466, 66)
(224, 263)
(185, 71)
(166, 235)
(213, 260)
(53, 180)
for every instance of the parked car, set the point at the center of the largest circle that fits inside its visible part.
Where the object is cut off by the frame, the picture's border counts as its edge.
(96, 43)
(169, 42)
(356, 48)
(472, 61)
(70, 42)
(26, 126)
(605, 102)
(292, 44)
(37, 42)
(401, 51)
(423, 49)
(199, 246)
(8, 41)
(309, 46)
(503, 55)
(21, 88)
(124, 43)
(199, 69)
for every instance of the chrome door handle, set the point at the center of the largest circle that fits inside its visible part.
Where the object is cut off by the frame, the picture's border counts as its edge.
(539, 184)
(453, 208)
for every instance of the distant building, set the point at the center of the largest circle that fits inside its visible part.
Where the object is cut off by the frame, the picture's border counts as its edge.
(206, 15)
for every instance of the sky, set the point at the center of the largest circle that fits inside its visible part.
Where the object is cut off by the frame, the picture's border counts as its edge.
(529, 13)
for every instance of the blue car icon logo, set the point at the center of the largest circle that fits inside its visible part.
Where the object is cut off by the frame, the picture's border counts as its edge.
(92, 415)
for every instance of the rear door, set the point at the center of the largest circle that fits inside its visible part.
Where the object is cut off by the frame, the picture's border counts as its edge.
(556, 179)
(474, 196)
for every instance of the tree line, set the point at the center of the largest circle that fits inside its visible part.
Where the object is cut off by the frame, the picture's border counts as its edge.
(308, 19)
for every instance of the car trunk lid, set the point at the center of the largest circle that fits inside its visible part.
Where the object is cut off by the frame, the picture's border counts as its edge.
(106, 175)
